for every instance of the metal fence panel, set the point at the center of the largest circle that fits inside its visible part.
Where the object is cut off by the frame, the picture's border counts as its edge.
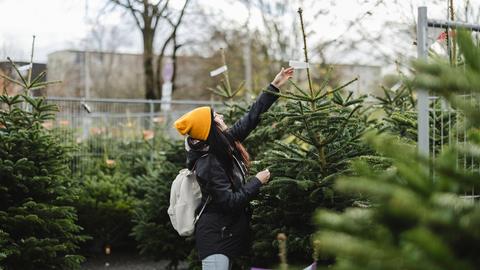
(99, 125)
(440, 125)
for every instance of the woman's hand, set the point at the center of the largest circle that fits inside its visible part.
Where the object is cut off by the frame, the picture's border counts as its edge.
(263, 176)
(282, 77)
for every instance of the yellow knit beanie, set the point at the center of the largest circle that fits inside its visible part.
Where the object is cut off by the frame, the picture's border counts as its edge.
(195, 123)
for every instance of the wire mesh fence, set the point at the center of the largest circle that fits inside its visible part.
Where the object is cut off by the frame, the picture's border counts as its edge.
(109, 129)
(439, 124)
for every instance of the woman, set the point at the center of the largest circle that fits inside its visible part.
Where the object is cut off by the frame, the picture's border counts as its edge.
(221, 164)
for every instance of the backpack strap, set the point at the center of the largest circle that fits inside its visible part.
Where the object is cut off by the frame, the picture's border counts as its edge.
(208, 198)
(201, 211)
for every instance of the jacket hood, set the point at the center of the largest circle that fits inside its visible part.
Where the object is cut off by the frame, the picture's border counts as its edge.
(195, 149)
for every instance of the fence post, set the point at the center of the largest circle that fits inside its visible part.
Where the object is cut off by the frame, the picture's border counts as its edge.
(422, 94)
(152, 114)
(151, 126)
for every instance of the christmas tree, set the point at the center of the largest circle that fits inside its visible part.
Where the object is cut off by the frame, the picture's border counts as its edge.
(418, 216)
(105, 205)
(317, 132)
(399, 116)
(37, 227)
(398, 108)
(153, 229)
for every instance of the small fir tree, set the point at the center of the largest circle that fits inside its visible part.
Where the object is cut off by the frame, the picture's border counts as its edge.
(399, 116)
(153, 230)
(321, 127)
(38, 229)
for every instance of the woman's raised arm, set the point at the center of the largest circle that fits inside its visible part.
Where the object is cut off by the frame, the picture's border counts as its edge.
(242, 128)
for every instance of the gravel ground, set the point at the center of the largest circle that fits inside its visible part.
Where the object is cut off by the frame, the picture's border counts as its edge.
(124, 262)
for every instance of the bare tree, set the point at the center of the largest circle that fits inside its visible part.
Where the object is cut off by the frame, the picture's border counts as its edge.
(147, 15)
(172, 38)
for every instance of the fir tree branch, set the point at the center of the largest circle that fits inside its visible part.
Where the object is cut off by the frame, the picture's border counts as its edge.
(298, 88)
(299, 98)
(30, 70)
(38, 78)
(337, 89)
(12, 80)
(305, 50)
(25, 84)
(326, 80)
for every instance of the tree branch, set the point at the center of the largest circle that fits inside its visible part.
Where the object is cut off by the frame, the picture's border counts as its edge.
(171, 37)
(159, 13)
(133, 10)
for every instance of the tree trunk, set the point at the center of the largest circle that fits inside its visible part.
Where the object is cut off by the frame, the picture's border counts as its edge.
(174, 60)
(159, 79)
(150, 91)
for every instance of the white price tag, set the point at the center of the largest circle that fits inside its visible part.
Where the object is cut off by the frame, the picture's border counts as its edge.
(24, 68)
(86, 107)
(298, 64)
(218, 71)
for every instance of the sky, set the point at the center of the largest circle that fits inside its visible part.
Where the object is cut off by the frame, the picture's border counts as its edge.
(56, 24)
(64, 24)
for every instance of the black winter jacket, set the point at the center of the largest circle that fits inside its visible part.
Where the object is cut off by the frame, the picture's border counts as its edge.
(224, 226)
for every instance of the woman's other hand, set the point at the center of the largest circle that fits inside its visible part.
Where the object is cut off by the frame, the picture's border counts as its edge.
(282, 77)
(263, 176)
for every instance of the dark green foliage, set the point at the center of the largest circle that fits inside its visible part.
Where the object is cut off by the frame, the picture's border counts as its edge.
(109, 191)
(399, 116)
(37, 227)
(319, 140)
(420, 217)
(105, 207)
(94, 152)
(193, 262)
(414, 223)
(153, 230)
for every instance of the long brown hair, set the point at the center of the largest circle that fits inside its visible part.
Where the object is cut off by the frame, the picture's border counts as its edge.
(243, 153)
(222, 145)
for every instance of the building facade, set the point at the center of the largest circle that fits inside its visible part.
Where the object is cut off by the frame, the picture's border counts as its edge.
(118, 75)
(95, 74)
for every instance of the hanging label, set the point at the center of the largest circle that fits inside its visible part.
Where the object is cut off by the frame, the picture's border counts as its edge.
(25, 67)
(218, 71)
(86, 107)
(298, 64)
